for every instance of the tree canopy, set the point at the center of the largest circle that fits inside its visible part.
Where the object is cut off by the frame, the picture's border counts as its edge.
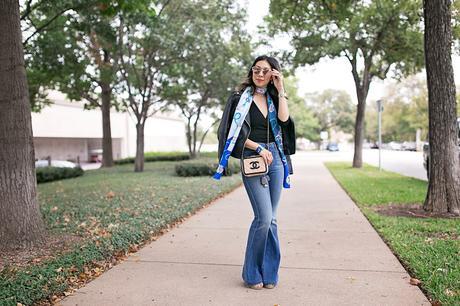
(375, 36)
(333, 109)
(215, 54)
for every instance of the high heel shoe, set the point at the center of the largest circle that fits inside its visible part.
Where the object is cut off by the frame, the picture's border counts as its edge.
(256, 286)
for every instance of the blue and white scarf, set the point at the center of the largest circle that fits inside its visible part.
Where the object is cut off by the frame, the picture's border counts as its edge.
(241, 111)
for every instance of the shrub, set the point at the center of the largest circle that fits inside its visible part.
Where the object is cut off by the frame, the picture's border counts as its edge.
(209, 154)
(48, 174)
(156, 156)
(203, 168)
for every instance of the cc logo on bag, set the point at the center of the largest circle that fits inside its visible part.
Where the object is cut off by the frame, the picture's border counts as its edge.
(254, 165)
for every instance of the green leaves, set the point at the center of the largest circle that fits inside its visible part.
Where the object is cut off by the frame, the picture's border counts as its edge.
(385, 32)
(405, 111)
(333, 109)
(214, 51)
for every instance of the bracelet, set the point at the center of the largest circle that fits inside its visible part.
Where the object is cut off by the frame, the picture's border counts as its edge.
(282, 94)
(259, 149)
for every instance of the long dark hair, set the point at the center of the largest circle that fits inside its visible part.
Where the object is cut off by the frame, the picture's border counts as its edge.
(248, 81)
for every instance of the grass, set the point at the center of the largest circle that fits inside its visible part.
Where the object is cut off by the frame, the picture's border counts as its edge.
(113, 211)
(428, 247)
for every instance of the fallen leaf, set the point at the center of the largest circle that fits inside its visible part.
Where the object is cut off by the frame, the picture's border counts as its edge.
(110, 194)
(414, 281)
(133, 248)
(351, 278)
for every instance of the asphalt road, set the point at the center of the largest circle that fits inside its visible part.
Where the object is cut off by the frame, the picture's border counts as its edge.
(404, 162)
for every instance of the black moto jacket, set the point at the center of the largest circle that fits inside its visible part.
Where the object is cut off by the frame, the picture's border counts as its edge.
(287, 130)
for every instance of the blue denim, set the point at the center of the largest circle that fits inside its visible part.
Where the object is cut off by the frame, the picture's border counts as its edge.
(262, 258)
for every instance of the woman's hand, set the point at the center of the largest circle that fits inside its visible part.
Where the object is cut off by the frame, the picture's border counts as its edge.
(277, 78)
(267, 155)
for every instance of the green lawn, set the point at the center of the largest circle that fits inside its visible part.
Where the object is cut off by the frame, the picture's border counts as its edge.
(428, 247)
(113, 210)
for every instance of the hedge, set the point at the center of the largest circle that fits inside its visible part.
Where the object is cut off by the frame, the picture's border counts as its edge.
(203, 168)
(49, 174)
(156, 156)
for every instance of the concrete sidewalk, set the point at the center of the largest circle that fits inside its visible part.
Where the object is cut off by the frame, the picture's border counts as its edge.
(330, 255)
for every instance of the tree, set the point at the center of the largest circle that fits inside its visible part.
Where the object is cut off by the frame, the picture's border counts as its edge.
(406, 110)
(34, 26)
(371, 123)
(443, 193)
(375, 37)
(77, 54)
(45, 40)
(21, 223)
(333, 109)
(396, 125)
(147, 46)
(215, 56)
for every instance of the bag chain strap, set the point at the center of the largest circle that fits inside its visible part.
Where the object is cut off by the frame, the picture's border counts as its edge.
(268, 127)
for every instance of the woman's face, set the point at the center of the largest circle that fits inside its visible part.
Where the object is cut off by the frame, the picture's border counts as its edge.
(261, 73)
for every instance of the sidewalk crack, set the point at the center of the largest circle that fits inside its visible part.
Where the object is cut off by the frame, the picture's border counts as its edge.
(281, 267)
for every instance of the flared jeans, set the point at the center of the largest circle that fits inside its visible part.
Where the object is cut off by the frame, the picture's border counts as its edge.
(262, 257)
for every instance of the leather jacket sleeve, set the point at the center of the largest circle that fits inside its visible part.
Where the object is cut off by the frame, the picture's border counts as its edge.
(288, 134)
(225, 123)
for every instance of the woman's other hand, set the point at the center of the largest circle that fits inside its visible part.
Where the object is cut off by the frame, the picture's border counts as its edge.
(267, 155)
(277, 79)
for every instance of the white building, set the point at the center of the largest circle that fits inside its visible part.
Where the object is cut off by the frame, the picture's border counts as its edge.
(66, 131)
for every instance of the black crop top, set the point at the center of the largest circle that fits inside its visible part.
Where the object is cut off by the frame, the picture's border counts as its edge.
(259, 126)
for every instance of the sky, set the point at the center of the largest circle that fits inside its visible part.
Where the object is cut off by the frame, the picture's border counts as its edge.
(327, 73)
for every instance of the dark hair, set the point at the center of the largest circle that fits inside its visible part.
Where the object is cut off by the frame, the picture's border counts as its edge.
(248, 81)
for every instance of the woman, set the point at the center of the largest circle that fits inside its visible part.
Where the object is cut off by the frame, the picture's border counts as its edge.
(259, 109)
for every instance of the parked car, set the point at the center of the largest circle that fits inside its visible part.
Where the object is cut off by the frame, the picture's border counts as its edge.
(95, 156)
(374, 145)
(332, 146)
(393, 145)
(426, 151)
(409, 146)
(54, 163)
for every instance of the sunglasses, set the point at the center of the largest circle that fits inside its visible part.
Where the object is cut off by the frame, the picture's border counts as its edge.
(256, 70)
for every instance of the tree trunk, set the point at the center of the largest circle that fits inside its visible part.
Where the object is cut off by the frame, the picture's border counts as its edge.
(195, 128)
(106, 97)
(443, 193)
(139, 161)
(21, 224)
(189, 138)
(204, 135)
(359, 125)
